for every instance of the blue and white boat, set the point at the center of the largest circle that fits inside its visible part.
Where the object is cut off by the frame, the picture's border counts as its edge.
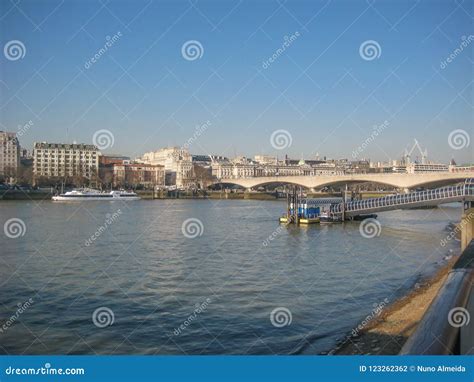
(90, 194)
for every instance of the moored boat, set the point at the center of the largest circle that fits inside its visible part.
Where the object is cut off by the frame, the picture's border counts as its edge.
(90, 194)
(327, 218)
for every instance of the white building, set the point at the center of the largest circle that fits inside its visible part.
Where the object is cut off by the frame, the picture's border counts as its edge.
(454, 168)
(63, 160)
(177, 162)
(265, 159)
(9, 153)
(237, 169)
(414, 168)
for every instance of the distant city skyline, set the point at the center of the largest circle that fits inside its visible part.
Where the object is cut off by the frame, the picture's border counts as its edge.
(327, 73)
(416, 156)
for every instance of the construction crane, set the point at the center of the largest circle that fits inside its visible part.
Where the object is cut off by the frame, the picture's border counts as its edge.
(408, 153)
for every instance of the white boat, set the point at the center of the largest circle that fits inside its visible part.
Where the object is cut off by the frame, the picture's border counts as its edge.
(326, 218)
(89, 194)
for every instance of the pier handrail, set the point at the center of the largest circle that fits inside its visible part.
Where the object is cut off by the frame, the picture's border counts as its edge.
(448, 193)
(439, 331)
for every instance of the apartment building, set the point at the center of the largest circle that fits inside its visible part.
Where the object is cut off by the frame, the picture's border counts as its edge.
(9, 153)
(65, 160)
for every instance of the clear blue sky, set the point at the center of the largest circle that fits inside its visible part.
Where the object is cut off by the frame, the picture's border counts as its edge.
(319, 89)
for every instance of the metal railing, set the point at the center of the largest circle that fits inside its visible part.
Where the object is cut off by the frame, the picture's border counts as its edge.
(444, 328)
(435, 195)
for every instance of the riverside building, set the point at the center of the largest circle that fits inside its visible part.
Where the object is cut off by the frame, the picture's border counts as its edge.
(128, 174)
(177, 162)
(9, 153)
(65, 160)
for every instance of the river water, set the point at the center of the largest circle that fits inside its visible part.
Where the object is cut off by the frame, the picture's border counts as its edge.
(209, 286)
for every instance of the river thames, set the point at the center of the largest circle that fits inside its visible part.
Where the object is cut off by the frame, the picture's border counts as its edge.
(142, 278)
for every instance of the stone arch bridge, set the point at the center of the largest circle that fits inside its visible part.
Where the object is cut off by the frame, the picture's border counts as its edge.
(403, 181)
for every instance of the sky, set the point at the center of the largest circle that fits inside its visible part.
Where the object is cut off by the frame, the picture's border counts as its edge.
(302, 78)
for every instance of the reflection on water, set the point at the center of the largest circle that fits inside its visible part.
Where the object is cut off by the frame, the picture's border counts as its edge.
(241, 264)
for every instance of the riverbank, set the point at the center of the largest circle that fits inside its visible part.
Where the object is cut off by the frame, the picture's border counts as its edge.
(162, 194)
(386, 333)
(150, 195)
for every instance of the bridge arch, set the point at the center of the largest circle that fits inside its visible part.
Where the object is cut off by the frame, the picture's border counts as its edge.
(438, 183)
(226, 183)
(259, 184)
(401, 181)
(354, 181)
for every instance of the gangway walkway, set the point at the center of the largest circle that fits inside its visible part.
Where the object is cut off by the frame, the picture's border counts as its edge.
(425, 198)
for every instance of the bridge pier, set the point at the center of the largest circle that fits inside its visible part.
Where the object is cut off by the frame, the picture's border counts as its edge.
(467, 227)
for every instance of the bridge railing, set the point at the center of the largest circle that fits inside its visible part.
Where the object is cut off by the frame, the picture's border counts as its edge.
(403, 199)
